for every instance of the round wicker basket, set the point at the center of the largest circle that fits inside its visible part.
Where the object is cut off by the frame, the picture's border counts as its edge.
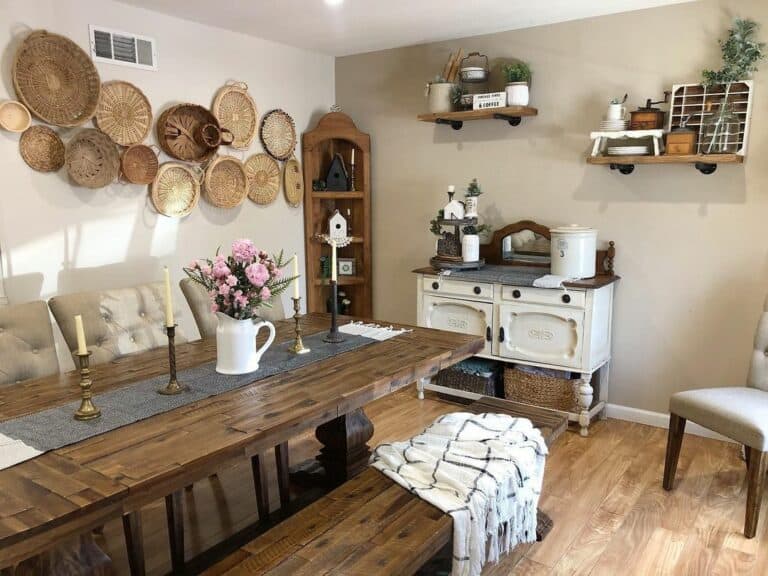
(237, 112)
(293, 182)
(139, 164)
(14, 116)
(175, 191)
(55, 79)
(182, 132)
(263, 178)
(225, 184)
(124, 113)
(278, 134)
(92, 159)
(42, 149)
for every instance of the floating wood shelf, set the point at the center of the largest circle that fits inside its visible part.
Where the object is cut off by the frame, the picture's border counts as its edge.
(355, 240)
(704, 163)
(512, 114)
(341, 281)
(338, 195)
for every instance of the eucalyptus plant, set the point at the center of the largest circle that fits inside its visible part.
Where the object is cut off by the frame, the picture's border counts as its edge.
(741, 54)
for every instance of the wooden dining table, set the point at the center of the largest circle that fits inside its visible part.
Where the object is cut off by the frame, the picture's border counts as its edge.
(77, 488)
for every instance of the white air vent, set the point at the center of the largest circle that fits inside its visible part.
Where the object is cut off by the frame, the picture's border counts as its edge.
(122, 48)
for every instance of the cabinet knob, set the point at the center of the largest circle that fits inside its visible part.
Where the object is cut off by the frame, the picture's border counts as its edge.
(566, 298)
(501, 333)
(488, 333)
(435, 285)
(477, 290)
(516, 294)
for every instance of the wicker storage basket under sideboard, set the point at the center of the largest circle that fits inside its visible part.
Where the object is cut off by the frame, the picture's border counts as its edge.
(473, 375)
(541, 388)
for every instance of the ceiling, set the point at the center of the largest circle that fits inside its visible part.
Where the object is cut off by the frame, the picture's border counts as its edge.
(356, 26)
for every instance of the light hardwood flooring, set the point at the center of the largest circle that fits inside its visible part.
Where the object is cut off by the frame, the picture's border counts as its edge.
(611, 515)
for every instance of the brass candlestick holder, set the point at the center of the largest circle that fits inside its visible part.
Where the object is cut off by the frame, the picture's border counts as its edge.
(298, 345)
(334, 336)
(87, 410)
(173, 386)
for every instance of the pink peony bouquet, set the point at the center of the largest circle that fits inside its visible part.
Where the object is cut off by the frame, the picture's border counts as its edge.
(239, 284)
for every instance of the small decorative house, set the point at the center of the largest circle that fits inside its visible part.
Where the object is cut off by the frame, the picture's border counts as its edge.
(337, 179)
(454, 210)
(337, 227)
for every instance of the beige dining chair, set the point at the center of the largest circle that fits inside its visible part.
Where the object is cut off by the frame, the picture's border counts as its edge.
(116, 322)
(738, 412)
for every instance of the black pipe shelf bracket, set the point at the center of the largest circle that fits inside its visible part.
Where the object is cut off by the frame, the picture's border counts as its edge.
(705, 168)
(513, 120)
(455, 124)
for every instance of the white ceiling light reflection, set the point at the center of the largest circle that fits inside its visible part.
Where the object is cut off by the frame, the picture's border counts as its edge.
(102, 242)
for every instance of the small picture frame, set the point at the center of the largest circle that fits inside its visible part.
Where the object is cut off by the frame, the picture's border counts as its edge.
(347, 266)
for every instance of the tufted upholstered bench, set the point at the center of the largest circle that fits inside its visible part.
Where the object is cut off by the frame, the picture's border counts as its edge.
(26, 343)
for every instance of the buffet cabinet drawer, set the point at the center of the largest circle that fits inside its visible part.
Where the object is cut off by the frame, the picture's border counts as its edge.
(443, 286)
(461, 316)
(570, 298)
(546, 334)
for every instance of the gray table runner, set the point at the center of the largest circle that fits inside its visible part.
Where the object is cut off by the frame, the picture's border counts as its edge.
(54, 428)
(511, 275)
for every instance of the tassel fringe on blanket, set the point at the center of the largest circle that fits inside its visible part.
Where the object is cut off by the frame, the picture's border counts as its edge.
(485, 470)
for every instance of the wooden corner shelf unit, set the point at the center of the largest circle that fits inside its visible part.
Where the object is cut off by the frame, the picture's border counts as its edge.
(336, 133)
(704, 163)
(512, 114)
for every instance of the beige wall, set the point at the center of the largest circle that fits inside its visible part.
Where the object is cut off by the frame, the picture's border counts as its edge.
(59, 238)
(691, 248)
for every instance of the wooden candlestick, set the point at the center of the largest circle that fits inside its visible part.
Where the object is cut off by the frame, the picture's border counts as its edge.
(87, 410)
(298, 345)
(334, 336)
(173, 386)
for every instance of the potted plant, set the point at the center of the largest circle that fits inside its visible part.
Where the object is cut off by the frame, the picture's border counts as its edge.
(471, 195)
(438, 95)
(518, 75)
(238, 285)
(470, 242)
(741, 53)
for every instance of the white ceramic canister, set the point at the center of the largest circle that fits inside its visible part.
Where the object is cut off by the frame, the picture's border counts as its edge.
(439, 97)
(470, 248)
(518, 94)
(573, 249)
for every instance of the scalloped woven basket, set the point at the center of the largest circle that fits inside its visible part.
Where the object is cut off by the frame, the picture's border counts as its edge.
(175, 191)
(55, 79)
(42, 149)
(263, 178)
(293, 182)
(225, 184)
(124, 113)
(139, 164)
(91, 158)
(278, 134)
(236, 111)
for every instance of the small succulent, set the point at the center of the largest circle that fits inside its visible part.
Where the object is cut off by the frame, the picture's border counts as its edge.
(473, 189)
(457, 91)
(517, 72)
(476, 229)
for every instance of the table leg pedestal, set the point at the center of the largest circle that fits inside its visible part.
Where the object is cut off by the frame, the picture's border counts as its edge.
(134, 542)
(345, 450)
(174, 510)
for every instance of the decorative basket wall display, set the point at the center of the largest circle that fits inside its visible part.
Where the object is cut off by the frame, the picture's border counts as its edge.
(91, 158)
(190, 132)
(124, 113)
(226, 183)
(236, 111)
(139, 164)
(293, 182)
(278, 134)
(42, 149)
(14, 116)
(175, 191)
(55, 79)
(263, 178)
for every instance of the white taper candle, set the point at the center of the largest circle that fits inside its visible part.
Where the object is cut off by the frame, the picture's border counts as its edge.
(168, 302)
(82, 348)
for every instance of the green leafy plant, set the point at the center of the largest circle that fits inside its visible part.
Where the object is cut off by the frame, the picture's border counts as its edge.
(473, 189)
(741, 54)
(517, 72)
(457, 91)
(434, 226)
(476, 229)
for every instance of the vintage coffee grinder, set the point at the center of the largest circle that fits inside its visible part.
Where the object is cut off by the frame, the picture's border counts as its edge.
(648, 117)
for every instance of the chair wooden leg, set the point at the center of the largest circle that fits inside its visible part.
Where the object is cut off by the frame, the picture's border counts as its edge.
(261, 484)
(674, 442)
(283, 481)
(755, 483)
(174, 511)
(134, 542)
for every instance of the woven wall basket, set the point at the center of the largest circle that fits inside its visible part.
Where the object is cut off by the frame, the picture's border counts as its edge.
(189, 132)
(263, 178)
(236, 111)
(92, 159)
(293, 182)
(14, 116)
(42, 149)
(56, 79)
(176, 190)
(139, 164)
(278, 134)
(225, 184)
(124, 113)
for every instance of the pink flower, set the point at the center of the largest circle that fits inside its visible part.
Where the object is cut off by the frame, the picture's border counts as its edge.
(243, 251)
(265, 293)
(257, 274)
(194, 264)
(231, 280)
(214, 307)
(223, 289)
(241, 299)
(205, 270)
(220, 269)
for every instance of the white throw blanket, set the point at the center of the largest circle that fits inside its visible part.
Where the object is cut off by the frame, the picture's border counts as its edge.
(485, 470)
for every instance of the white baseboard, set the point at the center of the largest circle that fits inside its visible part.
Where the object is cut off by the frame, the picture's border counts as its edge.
(658, 420)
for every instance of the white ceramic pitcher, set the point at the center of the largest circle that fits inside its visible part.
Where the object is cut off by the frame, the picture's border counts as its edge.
(236, 349)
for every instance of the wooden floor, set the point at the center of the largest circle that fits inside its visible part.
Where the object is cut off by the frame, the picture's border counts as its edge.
(611, 515)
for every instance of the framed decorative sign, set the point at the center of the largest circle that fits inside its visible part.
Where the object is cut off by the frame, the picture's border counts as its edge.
(347, 266)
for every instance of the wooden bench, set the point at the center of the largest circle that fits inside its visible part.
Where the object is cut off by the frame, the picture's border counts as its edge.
(367, 526)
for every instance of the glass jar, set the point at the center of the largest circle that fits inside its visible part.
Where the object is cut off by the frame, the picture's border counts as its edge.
(720, 134)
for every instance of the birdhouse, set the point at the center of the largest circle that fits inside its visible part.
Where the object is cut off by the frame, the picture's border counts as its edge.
(337, 179)
(337, 227)
(454, 210)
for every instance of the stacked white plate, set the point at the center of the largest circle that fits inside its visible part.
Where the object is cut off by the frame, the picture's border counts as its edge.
(614, 125)
(628, 150)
